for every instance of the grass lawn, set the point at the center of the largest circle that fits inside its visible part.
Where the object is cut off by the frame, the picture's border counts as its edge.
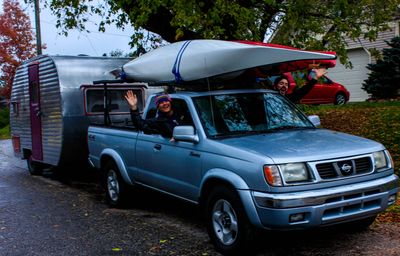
(5, 132)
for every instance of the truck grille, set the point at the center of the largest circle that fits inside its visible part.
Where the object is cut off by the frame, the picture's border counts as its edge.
(344, 168)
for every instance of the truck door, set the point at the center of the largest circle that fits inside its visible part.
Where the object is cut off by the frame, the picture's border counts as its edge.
(35, 112)
(174, 167)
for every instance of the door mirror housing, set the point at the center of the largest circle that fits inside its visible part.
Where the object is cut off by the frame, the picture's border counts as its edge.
(185, 133)
(314, 119)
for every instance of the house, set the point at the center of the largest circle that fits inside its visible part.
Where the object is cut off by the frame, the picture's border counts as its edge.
(360, 56)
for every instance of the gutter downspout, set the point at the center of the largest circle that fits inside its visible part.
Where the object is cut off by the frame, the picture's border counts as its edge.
(366, 50)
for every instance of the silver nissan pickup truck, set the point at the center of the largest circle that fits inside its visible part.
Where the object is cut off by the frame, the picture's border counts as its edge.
(251, 160)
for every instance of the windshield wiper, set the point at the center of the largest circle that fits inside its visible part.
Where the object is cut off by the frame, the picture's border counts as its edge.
(237, 133)
(288, 127)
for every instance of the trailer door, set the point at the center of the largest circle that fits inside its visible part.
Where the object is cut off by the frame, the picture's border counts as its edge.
(35, 112)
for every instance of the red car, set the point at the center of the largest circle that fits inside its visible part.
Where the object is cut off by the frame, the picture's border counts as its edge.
(325, 91)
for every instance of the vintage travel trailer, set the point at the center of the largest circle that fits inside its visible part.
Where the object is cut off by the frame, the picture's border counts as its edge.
(53, 100)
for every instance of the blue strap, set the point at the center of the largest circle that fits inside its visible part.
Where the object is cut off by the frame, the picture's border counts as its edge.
(122, 75)
(177, 64)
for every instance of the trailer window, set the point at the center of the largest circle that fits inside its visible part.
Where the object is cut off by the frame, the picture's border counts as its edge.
(116, 101)
(14, 108)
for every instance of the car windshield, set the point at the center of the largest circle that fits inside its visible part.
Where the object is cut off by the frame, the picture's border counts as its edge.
(248, 113)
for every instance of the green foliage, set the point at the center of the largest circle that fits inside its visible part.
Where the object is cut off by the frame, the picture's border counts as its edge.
(376, 121)
(301, 22)
(5, 132)
(4, 123)
(384, 79)
(4, 117)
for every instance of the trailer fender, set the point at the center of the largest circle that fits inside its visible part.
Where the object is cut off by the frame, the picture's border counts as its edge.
(110, 153)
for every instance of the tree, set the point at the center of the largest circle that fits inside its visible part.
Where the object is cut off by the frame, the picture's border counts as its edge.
(16, 42)
(383, 81)
(301, 22)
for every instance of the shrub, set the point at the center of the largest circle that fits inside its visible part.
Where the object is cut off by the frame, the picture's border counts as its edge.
(4, 117)
(383, 81)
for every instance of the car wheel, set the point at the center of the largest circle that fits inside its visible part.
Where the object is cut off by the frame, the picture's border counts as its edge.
(340, 99)
(116, 188)
(34, 168)
(227, 223)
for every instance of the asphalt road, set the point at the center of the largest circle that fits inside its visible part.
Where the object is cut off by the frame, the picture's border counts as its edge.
(50, 215)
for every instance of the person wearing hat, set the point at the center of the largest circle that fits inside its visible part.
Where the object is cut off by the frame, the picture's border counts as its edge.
(166, 120)
(281, 84)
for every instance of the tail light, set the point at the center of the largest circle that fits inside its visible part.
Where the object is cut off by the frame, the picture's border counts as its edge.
(16, 141)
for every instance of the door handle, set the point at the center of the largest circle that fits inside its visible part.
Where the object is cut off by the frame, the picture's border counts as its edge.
(192, 153)
(157, 147)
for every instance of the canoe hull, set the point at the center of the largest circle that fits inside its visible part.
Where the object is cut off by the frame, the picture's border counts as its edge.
(197, 59)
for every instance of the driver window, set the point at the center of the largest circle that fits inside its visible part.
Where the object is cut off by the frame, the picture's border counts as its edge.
(178, 105)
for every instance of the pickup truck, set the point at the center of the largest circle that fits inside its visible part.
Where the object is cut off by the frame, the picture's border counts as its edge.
(251, 160)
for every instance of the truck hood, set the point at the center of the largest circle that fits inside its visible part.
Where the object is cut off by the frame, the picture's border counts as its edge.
(304, 145)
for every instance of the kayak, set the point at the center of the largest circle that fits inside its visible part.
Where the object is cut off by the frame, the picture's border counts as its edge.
(198, 59)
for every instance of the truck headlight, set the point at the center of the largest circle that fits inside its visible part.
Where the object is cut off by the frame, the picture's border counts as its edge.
(295, 172)
(286, 173)
(382, 160)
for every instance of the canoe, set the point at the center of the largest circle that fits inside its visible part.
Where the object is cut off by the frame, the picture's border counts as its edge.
(197, 59)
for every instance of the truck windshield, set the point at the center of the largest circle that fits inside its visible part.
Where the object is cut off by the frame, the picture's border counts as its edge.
(248, 113)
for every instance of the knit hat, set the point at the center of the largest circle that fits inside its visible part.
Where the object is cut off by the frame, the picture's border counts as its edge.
(162, 98)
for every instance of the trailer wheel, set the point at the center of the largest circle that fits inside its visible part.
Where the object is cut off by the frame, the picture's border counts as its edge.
(227, 223)
(116, 188)
(34, 168)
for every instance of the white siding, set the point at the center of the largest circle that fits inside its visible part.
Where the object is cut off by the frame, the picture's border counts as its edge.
(353, 78)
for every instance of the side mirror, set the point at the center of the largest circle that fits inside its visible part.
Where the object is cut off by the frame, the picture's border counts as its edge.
(314, 119)
(185, 133)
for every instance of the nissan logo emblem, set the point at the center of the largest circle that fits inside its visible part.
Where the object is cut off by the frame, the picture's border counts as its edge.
(345, 168)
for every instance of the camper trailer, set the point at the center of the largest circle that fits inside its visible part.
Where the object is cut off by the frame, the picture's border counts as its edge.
(53, 100)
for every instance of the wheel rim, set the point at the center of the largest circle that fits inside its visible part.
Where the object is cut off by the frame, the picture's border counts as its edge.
(340, 100)
(112, 185)
(224, 222)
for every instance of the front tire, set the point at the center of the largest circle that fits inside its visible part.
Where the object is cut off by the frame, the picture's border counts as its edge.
(116, 188)
(227, 223)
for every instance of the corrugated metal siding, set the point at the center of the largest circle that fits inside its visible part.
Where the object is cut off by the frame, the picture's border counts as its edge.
(21, 124)
(50, 107)
(50, 101)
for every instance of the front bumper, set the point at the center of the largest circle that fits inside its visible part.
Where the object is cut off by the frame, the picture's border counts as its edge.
(326, 206)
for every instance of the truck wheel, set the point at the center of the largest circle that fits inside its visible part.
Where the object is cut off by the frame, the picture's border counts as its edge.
(116, 188)
(34, 168)
(227, 223)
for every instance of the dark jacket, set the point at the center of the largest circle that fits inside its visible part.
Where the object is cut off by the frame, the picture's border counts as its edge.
(162, 124)
(298, 94)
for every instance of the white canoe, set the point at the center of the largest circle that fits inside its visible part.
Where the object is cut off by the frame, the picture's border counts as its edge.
(197, 59)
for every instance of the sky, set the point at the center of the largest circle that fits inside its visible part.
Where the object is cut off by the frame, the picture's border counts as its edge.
(94, 43)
